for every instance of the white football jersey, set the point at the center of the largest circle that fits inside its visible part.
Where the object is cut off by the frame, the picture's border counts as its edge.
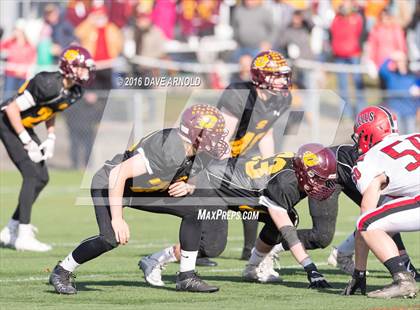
(398, 157)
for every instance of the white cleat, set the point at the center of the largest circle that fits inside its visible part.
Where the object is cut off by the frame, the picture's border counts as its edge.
(8, 235)
(261, 273)
(267, 265)
(152, 270)
(342, 261)
(26, 240)
(332, 259)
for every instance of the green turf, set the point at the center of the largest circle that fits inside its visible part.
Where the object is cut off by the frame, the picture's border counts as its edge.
(113, 281)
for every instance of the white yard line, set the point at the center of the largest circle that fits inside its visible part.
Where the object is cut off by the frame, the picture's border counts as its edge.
(136, 275)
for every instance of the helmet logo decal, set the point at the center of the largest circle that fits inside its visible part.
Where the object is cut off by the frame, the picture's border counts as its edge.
(365, 118)
(310, 159)
(207, 121)
(71, 55)
(261, 61)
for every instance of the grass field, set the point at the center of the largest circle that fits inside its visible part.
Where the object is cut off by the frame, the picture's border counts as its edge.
(113, 281)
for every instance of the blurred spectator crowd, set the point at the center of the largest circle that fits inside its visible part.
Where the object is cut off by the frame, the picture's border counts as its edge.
(359, 43)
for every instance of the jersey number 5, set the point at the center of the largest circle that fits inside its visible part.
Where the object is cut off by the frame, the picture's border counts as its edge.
(393, 153)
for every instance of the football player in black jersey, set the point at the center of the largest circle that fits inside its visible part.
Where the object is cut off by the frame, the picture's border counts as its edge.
(37, 101)
(271, 186)
(250, 110)
(144, 178)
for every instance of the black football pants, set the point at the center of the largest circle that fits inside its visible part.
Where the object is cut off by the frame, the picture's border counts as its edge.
(35, 175)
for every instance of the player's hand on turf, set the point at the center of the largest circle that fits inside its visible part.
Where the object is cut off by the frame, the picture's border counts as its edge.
(121, 230)
(315, 278)
(179, 189)
(34, 151)
(48, 146)
(358, 281)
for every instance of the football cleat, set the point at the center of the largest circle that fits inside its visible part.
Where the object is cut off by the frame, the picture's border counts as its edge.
(261, 273)
(403, 285)
(152, 270)
(190, 282)
(205, 262)
(63, 281)
(332, 259)
(344, 262)
(410, 268)
(8, 235)
(268, 263)
(26, 240)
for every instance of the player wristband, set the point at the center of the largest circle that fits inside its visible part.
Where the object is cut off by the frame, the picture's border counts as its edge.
(24, 137)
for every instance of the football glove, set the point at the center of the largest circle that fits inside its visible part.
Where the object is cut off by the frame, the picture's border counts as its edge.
(315, 278)
(33, 149)
(48, 146)
(358, 281)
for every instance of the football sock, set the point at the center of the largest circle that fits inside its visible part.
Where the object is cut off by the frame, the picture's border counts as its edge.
(188, 259)
(69, 263)
(306, 262)
(165, 256)
(12, 224)
(347, 246)
(256, 257)
(395, 264)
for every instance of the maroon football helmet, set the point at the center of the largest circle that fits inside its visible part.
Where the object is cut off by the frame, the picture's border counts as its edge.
(267, 67)
(316, 170)
(74, 57)
(204, 127)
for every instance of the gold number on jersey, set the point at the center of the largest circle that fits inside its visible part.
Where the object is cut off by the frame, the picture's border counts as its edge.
(43, 113)
(245, 143)
(257, 168)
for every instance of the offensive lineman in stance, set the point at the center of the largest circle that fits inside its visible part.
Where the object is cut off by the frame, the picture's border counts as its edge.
(147, 174)
(271, 186)
(37, 101)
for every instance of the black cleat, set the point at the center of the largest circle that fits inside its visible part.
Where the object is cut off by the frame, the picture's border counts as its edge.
(205, 262)
(190, 282)
(63, 281)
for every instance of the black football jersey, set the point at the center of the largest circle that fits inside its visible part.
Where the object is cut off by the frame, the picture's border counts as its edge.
(347, 155)
(243, 181)
(46, 96)
(255, 117)
(166, 162)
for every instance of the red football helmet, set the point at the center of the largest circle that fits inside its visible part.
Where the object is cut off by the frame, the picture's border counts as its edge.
(316, 170)
(267, 67)
(372, 125)
(74, 57)
(204, 127)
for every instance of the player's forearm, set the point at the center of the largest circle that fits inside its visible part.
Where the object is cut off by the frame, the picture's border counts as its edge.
(13, 114)
(361, 254)
(115, 192)
(371, 196)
